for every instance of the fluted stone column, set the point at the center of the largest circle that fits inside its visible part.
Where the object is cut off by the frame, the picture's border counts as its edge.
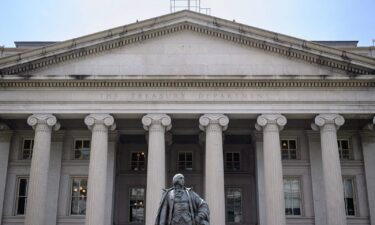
(43, 124)
(214, 125)
(5, 138)
(368, 145)
(328, 124)
(271, 124)
(156, 125)
(99, 124)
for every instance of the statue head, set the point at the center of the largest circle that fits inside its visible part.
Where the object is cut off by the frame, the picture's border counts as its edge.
(178, 179)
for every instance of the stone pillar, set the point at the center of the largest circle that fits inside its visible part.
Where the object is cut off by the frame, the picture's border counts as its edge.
(38, 186)
(328, 124)
(214, 125)
(5, 138)
(156, 125)
(271, 124)
(54, 175)
(368, 145)
(317, 177)
(97, 181)
(258, 137)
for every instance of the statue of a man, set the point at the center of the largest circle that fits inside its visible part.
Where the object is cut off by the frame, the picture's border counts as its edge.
(182, 206)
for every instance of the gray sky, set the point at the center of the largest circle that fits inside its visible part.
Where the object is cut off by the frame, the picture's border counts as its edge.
(58, 20)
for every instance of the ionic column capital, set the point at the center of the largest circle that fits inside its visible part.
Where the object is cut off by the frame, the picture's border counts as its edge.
(324, 121)
(43, 122)
(270, 119)
(104, 120)
(157, 119)
(213, 119)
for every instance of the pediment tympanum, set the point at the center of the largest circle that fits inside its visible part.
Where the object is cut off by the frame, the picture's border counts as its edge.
(186, 43)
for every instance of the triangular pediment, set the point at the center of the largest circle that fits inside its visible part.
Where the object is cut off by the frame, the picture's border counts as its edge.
(186, 43)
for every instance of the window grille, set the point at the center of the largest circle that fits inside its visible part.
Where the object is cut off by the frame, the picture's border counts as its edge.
(185, 161)
(27, 148)
(78, 196)
(292, 196)
(82, 149)
(21, 198)
(234, 205)
(138, 161)
(288, 149)
(136, 204)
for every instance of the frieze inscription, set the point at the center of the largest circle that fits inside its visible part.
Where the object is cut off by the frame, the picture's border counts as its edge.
(195, 96)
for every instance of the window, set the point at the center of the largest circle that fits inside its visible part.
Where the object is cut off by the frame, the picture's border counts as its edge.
(344, 149)
(138, 162)
(234, 205)
(27, 148)
(136, 204)
(185, 161)
(82, 149)
(348, 184)
(288, 149)
(232, 161)
(79, 196)
(292, 196)
(21, 198)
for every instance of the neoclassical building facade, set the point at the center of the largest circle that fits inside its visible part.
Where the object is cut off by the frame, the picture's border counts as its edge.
(268, 128)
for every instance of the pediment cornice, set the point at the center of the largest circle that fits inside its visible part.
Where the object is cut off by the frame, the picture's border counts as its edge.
(345, 62)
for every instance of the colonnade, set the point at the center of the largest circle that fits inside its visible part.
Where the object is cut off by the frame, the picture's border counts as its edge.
(213, 125)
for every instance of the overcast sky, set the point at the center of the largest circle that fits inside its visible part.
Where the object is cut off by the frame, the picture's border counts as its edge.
(58, 20)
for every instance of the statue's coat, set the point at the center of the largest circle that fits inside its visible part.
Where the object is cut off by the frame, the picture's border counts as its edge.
(197, 206)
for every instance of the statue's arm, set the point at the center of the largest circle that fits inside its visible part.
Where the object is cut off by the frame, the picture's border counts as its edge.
(202, 210)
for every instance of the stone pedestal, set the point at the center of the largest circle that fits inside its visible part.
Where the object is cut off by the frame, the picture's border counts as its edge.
(156, 125)
(97, 181)
(214, 125)
(38, 184)
(271, 124)
(328, 125)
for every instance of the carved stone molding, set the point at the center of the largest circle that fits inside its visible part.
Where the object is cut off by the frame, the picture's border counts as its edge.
(4, 126)
(268, 119)
(105, 120)
(169, 138)
(369, 126)
(213, 119)
(43, 122)
(184, 83)
(322, 120)
(157, 119)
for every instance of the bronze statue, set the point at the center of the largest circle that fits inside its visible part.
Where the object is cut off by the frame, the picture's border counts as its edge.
(182, 206)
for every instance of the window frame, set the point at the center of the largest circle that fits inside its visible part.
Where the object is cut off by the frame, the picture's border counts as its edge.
(241, 205)
(74, 148)
(288, 177)
(16, 197)
(144, 203)
(225, 162)
(298, 151)
(178, 161)
(71, 194)
(131, 160)
(355, 197)
(350, 148)
(23, 149)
